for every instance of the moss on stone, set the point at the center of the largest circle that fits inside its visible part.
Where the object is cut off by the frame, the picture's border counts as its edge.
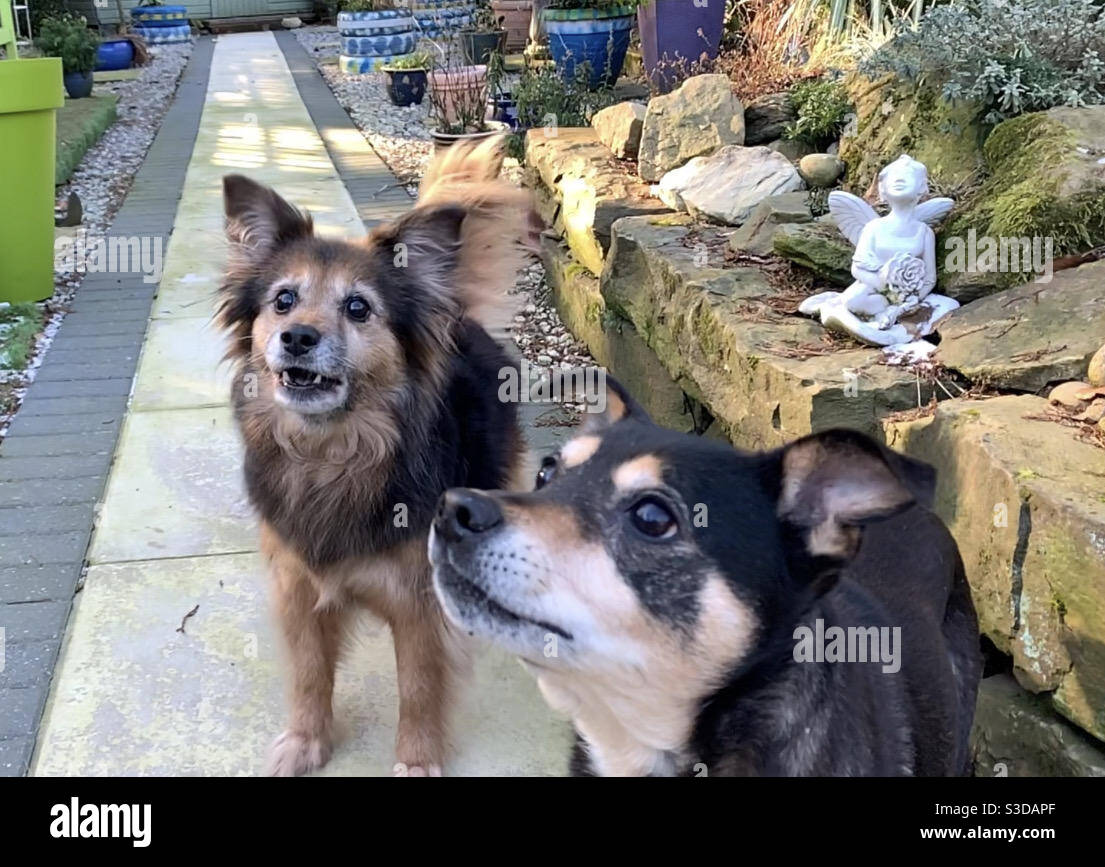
(1041, 184)
(893, 117)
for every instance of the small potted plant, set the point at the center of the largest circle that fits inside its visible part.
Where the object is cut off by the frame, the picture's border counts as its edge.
(483, 36)
(594, 33)
(68, 37)
(407, 77)
(459, 100)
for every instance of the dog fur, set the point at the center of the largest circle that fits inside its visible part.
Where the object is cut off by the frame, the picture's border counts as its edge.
(655, 581)
(364, 386)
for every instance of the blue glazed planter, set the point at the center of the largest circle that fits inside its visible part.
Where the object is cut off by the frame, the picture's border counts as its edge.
(600, 41)
(406, 86)
(115, 54)
(78, 84)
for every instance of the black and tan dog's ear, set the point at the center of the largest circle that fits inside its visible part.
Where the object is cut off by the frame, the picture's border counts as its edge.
(258, 222)
(611, 404)
(832, 484)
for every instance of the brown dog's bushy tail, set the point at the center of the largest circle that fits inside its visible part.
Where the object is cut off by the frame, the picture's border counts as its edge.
(501, 228)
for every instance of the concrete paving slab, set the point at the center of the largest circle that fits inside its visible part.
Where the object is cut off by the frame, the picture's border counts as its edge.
(175, 490)
(208, 700)
(182, 366)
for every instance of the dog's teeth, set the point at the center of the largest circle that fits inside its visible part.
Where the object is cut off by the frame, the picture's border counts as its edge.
(317, 380)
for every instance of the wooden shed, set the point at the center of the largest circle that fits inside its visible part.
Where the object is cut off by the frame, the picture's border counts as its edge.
(104, 11)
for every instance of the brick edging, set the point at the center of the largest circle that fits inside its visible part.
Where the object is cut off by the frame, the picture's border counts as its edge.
(371, 184)
(56, 457)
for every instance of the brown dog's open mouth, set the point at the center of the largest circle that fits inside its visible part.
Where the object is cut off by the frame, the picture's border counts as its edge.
(302, 381)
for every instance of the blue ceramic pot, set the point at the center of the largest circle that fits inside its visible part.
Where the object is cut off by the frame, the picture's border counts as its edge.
(406, 86)
(78, 84)
(598, 38)
(114, 54)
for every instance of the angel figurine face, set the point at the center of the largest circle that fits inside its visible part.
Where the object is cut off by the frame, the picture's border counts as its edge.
(905, 179)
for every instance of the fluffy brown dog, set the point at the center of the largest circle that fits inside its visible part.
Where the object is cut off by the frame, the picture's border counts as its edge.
(364, 387)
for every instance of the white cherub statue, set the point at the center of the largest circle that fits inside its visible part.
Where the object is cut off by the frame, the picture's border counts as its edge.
(894, 264)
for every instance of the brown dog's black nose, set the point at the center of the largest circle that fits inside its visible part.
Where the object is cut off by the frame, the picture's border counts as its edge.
(464, 512)
(300, 339)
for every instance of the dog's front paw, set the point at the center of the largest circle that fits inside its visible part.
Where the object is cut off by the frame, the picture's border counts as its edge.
(404, 770)
(294, 753)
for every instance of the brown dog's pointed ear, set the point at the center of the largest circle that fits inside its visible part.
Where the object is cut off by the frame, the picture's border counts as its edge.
(831, 484)
(611, 405)
(428, 240)
(258, 221)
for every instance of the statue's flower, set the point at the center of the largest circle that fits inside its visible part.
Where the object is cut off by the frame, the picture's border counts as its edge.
(905, 277)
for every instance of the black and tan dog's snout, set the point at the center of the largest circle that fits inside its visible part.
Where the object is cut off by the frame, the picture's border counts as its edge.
(298, 340)
(463, 513)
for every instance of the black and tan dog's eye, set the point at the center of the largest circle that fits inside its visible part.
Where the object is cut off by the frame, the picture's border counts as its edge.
(652, 518)
(547, 473)
(356, 308)
(285, 301)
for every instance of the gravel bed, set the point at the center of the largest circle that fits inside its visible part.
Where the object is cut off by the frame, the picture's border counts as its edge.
(101, 181)
(401, 137)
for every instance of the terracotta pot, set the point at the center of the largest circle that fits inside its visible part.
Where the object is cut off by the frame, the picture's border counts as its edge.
(466, 86)
(517, 15)
(444, 141)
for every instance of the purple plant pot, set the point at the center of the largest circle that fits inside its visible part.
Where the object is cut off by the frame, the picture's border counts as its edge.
(678, 32)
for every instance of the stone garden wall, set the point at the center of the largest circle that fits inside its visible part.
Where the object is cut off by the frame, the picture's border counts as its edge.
(691, 302)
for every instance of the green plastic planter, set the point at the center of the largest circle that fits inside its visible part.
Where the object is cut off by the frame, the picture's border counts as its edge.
(30, 92)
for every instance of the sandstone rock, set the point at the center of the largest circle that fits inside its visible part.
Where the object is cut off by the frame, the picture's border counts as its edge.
(694, 120)
(1023, 499)
(1067, 394)
(1016, 734)
(1027, 337)
(619, 128)
(291, 23)
(767, 117)
(613, 341)
(1095, 373)
(727, 186)
(1046, 180)
(818, 246)
(1094, 413)
(893, 117)
(766, 377)
(581, 190)
(820, 170)
(757, 234)
(792, 149)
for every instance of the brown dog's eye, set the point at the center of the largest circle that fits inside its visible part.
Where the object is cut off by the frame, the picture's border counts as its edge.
(654, 519)
(285, 301)
(356, 308)
(546, 474)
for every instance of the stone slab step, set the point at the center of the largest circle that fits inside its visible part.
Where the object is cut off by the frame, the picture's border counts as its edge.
(581, 189)
(1025, 501)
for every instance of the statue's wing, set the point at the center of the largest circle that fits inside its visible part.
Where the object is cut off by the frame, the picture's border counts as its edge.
(934, 210)
(851, 212)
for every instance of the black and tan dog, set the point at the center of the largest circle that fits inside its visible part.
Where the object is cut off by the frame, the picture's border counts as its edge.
(656, 584)
(365, 386)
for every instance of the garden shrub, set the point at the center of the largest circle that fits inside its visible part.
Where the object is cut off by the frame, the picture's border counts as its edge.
(1009, 56)
(822, 106)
